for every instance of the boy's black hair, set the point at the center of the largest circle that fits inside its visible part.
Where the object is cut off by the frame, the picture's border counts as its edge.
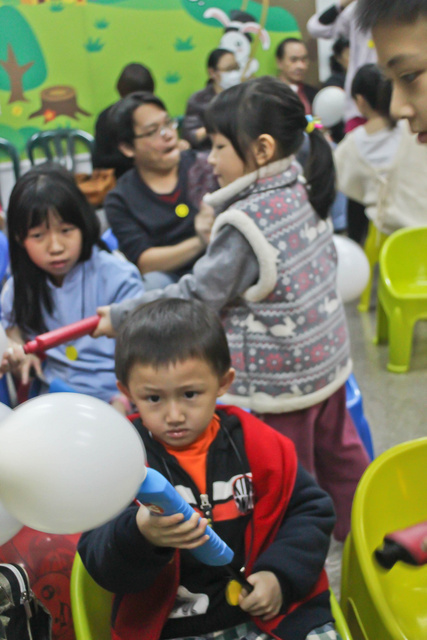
(45, 188)
(121, 114)
(371, 13)
(267, 105)
(370, 83)
(281, 47)
(134, 77)
(168, 331)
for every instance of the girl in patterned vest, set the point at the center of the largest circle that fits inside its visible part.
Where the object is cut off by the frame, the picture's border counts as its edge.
(270, 270)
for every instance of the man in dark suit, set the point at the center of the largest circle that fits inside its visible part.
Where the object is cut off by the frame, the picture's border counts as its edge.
(292, 63)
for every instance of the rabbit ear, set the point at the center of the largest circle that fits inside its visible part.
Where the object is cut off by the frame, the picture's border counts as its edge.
(217, 14)
(254, 27)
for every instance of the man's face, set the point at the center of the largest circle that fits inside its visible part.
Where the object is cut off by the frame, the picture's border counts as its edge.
(402, 53)
(294, 64)
(155, 146)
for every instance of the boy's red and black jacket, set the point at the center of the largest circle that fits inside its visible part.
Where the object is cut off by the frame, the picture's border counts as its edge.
(286, 532)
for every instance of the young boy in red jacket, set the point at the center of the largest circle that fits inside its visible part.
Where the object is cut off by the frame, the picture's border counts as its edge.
(241, 477)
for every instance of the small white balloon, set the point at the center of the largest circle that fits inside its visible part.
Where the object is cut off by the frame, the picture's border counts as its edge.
(5, 411)
(3, 341)
(353, 268)
(328, 105)
(68, 462)
(9, 526)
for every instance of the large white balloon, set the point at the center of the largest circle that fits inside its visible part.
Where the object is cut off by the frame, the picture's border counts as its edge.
(328, 105)
(3, 342)
(68, 462)
(9, 526)
(353, 268)
(5, 411)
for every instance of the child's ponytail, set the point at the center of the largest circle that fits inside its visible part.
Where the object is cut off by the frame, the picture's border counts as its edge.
(320, 174)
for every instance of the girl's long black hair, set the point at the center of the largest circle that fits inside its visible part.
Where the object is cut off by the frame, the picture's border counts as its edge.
(267, 105)
(43, 189)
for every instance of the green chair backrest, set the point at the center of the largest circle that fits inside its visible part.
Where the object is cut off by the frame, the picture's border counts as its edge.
(11, 151)
(403, 257)
(392, 495)
(59, 145)
(90, 605)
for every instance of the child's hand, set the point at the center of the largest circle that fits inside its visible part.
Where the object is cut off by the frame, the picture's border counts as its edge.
(171, 531)
(203, 222)
(104, 328)
(16, 360)
(265, 600)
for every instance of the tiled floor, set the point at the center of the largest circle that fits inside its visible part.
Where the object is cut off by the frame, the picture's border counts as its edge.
(394, 404)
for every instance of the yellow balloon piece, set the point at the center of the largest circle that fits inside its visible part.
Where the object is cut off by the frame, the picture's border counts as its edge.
(71, 352)
(371, 44)
(182, 210)
(232, 592)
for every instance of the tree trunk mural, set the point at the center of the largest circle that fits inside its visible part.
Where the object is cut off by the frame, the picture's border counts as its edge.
(15, 71)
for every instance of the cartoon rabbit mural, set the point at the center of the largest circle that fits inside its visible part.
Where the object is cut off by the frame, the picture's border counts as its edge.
(237, 38)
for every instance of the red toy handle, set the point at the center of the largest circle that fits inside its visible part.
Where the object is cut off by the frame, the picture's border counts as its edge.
(59, 336)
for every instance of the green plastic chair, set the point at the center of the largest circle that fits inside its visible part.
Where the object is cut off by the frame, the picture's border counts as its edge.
(91, 607)
(392, 494)
(11, 151)
(59, 145)
(402, 293)
(372, 248)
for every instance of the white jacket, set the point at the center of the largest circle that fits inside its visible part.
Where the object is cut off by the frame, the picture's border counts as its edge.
(394, 194)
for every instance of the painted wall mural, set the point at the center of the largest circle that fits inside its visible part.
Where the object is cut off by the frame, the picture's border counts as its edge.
(60, 59)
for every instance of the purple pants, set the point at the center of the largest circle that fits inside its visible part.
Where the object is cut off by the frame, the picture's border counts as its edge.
(329, 447)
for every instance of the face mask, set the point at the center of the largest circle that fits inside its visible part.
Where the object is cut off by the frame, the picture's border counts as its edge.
(230, 78)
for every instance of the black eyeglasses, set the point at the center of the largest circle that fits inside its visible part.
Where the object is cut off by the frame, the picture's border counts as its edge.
(159, 130)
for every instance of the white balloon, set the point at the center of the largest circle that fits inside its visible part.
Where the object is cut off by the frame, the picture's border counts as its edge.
(353, 268)
(328, 105)
(5, 411)
(3, 341)
(68, 462)
(9, 526)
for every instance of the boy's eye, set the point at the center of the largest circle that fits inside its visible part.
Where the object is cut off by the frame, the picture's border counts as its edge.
(409, 77)
(191, 394)
(153, 399)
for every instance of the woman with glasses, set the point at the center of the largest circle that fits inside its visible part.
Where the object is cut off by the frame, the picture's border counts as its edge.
(224, 72)
(154, 208)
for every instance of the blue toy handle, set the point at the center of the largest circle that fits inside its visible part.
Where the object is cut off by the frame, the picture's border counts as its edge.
(161, 497)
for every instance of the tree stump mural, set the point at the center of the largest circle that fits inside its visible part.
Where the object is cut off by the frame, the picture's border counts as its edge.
(59, 100)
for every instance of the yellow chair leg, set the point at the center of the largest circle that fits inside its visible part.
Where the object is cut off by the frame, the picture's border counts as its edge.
(400, 341)
(382, 325)
(372, 248)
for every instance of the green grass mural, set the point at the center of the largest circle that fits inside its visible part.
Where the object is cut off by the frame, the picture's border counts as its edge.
(60, 66)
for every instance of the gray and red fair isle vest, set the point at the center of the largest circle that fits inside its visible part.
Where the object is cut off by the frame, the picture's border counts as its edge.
(287, 335)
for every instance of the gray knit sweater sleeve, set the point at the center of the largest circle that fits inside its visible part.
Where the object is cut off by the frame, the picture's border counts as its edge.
(227, 269)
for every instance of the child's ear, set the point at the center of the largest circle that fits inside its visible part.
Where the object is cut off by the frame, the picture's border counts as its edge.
(264, 149)
(127, 149)
(121, 387)
(226, 381)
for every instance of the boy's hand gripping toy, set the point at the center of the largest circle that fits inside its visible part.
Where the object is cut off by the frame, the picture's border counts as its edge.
(51, 339)
(162, 499)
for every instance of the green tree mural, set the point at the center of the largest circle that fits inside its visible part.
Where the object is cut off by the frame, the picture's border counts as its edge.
(22, 64)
